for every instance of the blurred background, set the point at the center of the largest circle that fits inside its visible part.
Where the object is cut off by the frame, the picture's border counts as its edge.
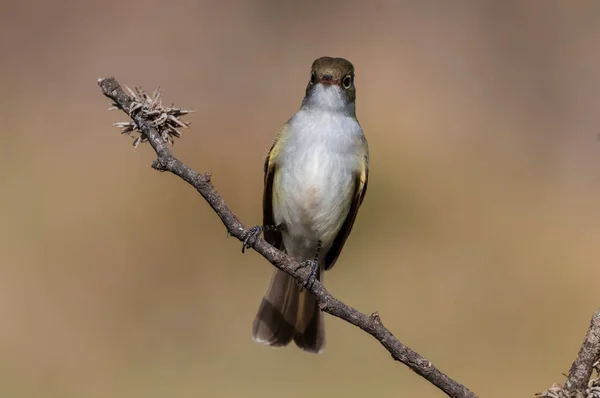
(477, 242)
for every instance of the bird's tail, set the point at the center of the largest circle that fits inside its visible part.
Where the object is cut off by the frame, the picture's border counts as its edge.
(310, 326)
(287, 313)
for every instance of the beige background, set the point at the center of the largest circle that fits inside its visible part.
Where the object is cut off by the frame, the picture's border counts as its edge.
(477, 242)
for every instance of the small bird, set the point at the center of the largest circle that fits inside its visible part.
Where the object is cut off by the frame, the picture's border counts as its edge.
(315, 179)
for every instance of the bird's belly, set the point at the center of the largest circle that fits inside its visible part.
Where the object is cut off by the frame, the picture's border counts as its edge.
(314, 197)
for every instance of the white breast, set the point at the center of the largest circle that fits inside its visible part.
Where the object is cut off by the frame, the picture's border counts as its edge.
(315, 178)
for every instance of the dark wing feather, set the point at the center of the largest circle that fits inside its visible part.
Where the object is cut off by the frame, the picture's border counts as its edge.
(360, 189)
(273, 237)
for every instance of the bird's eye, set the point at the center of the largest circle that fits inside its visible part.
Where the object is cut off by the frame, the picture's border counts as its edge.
(347, 82)
(313, 78)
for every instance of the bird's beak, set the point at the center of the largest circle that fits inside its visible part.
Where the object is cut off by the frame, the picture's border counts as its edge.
(327, 80)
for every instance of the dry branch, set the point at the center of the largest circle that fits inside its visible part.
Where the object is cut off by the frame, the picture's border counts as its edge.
(156, 124)
(578, 380)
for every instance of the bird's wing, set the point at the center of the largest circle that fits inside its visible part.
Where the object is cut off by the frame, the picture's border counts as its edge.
(361, 178)
(271, 236)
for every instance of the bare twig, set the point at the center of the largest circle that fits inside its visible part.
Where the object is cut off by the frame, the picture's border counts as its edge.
(580, 383)
(589, 354)
(157, 125)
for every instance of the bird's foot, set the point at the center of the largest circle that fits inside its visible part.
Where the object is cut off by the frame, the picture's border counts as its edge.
(254, 233)
(251, 236)
(312, 276)
(314, 267)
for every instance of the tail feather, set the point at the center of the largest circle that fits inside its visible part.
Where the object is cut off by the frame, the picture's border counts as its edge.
(310, 328)
(287, 313)
(275, 321)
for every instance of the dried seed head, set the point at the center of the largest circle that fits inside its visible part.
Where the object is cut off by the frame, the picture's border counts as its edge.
(165, 119)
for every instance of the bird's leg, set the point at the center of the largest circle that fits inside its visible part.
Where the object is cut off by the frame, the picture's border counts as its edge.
(254, 233)
(314, 267)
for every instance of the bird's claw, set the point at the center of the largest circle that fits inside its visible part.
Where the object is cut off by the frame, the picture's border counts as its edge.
(312, 276)
(250, 239)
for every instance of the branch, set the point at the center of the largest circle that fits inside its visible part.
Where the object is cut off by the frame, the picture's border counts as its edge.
(167, 162)
(158, 125)
(589, 354)
(579, 383)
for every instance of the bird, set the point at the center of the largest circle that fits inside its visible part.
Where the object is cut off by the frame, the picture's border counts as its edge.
(315, 180)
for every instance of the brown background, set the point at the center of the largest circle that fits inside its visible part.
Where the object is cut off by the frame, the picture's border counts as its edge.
(477, 242)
